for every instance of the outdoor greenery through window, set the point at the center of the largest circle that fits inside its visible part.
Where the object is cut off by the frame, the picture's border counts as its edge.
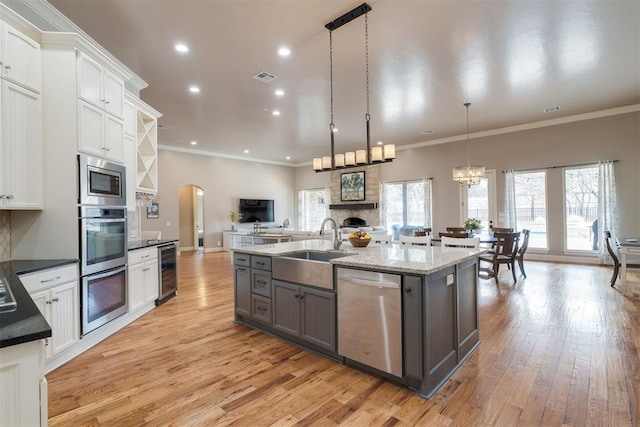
(581, 208)
(313, 207)
(478, 202)
(405, 204)
(531, 206)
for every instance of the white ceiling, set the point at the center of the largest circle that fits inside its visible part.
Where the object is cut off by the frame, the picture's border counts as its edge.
(510, 59)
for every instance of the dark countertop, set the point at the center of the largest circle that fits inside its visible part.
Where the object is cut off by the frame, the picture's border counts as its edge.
(141, 244)
(26, 323)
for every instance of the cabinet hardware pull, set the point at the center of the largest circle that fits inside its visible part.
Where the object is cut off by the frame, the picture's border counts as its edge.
(407, 290)
(297, 296)
(261, 309)
(146, 256)
(7, 67)
(242, 269)
(260, 263)
(2, 196)
(50, 280)
(242, 259)
(10, 196)
(55, 299)
(301, 296)
(46, 342)
(262, 282)
(47, 302)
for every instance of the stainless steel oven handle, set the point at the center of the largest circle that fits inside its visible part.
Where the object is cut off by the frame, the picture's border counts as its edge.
(108, 273)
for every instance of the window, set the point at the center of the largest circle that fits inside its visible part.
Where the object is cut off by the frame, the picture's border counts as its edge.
(478, 201)
(313, 207)
(406, 203)
(531, 206)
(581, 207)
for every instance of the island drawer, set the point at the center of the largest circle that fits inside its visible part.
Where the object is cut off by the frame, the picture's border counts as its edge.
(243, 260)
(261, 282)
(261, 262)
(261, 309)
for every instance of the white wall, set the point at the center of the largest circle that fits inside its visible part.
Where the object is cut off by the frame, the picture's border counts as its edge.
(614, 137)
(224, 182)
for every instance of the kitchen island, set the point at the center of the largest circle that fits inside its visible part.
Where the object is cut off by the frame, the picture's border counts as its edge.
(414, 320)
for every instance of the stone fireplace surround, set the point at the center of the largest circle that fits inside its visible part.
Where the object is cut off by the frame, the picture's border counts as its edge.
(342, 210)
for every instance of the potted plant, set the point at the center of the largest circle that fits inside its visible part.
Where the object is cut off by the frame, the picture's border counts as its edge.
(235, 216)
(472, 225)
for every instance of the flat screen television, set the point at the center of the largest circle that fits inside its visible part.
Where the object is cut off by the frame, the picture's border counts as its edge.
(254, 210)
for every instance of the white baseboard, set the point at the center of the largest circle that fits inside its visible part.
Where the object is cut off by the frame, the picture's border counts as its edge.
(207, 250)
(566, 259)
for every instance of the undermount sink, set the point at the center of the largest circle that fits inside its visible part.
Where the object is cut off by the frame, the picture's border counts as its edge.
(323, 256)
(306, 267)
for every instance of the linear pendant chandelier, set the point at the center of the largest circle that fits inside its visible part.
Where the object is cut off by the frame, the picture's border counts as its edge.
(359, 157)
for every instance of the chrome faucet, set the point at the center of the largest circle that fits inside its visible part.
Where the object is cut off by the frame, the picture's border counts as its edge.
(336, 234)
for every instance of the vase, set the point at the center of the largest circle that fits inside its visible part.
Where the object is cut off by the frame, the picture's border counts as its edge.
(233, 226)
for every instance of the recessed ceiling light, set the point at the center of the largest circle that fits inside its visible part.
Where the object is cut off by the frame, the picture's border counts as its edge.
(288, 158)
(284, 51)
(275, 112)
(194, 89)
(279, 92)
(335, 129)
(379, 142)
(551, 109)
(182, 48)
(246, 151)
(194, 142)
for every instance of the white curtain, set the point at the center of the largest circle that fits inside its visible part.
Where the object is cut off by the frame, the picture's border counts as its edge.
(301, 210)
(510, 218)
(382, 205)
(607, 207)
(427, 203)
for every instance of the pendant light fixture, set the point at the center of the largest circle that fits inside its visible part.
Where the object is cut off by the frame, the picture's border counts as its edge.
(359, 157)
(468, 175)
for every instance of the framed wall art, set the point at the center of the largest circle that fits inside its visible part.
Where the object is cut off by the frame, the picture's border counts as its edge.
(352, 186)
(153, 210)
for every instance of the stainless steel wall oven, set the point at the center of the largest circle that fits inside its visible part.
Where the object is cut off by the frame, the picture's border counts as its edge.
(103, 238)
(104, 297)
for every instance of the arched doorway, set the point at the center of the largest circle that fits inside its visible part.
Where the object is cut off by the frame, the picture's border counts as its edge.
(191, 217)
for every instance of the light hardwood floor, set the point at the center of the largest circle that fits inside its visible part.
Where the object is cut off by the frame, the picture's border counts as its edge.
(558, 348)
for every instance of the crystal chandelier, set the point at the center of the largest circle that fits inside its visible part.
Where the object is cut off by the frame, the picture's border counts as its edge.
(469, 174)
(359, 157)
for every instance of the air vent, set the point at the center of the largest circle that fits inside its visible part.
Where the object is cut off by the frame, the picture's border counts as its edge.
(551, 109)
(264, 77)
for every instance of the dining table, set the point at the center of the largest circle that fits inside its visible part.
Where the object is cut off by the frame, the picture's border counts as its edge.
(629, 251)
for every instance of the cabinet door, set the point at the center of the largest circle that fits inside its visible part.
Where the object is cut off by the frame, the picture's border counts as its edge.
(21, 59)
(21, 159)
(90, 77)
(467, 311)
(151, 281)
(113, 138)
(243, 291)
(412, 323)
(135, 283)
(129, 119)
(90, 137)
(318, 317)
(113, 95)
(286, 307)
(65, 312)
(42, 301)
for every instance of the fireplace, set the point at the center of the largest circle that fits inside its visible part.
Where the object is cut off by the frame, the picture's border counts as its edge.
(354, 222)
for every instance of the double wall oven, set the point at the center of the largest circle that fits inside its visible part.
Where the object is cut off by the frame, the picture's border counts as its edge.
(103, 241)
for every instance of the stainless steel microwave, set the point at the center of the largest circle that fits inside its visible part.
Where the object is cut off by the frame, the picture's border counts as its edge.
(101, 182)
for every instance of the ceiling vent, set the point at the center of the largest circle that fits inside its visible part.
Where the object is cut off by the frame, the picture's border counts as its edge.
(551, 109)
(264, 77)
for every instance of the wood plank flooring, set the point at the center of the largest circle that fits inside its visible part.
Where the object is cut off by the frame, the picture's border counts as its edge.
(558, 348)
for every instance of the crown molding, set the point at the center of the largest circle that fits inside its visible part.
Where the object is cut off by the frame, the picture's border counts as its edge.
(222, 155)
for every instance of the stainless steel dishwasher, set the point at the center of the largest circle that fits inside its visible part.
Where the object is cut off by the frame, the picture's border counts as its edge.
(370, 319)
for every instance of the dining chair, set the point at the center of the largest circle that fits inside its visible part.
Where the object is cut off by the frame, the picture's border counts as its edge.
(415, 240)
(457, 229)
(610, 241)
(502, 229)
(456, 234)
(504, 252)
(423, 232)
(522, 250)
(460, 242)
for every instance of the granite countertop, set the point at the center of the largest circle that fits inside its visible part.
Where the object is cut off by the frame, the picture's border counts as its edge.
(394, 257)
(26, 323)
(141, 244)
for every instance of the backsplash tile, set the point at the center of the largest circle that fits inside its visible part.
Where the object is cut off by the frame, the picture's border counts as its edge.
(5, 236)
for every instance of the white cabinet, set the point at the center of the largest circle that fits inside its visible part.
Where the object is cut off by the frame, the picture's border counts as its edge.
(130, 119)
(20, 58)
(21, 179)
(130, 163)
(23, 386)
(100, 110)
(55, 292)
(100, 133)
(143, 278)
(99, 87)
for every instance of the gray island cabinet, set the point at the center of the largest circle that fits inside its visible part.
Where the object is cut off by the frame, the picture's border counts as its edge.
(437, 314)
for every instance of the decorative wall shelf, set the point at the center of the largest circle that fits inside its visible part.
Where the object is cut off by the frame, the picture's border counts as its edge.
(354, 206)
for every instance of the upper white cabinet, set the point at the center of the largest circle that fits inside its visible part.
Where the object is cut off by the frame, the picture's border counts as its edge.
(99, 133)
(130, 125)
(99, 87)
(21, 176)
(20, 59)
